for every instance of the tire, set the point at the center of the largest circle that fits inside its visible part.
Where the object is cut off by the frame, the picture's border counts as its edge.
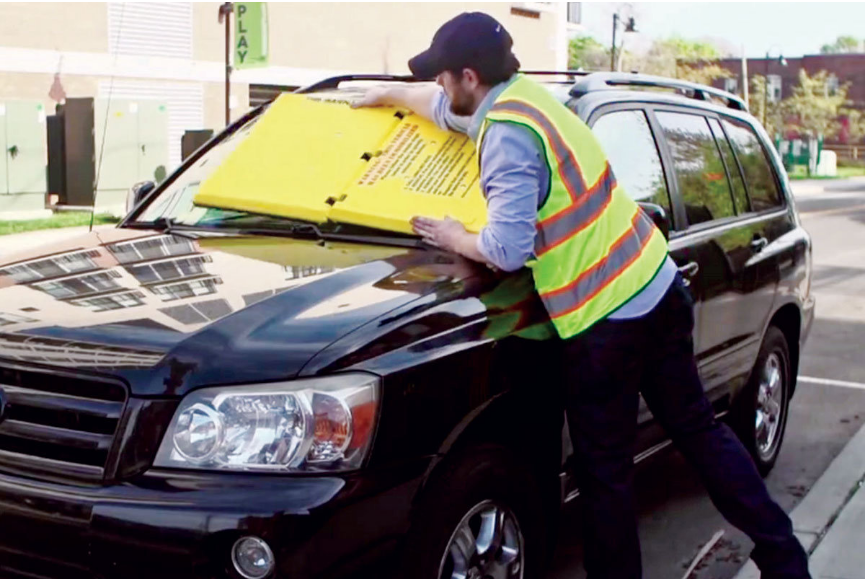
(760, 412)
(482, 485)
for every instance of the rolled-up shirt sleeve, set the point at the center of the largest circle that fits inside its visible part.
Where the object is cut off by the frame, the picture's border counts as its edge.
(441, 114)
(512, 176)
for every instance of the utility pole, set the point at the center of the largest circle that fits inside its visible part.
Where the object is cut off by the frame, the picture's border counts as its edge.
(781, 60)
(225, 15)
(613, 44)
(629, 27)
(744, 68)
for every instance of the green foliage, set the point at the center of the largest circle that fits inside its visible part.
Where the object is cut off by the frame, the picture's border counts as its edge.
(587, 53)
(843, 44)
(677, 57)
(855, 124)
(56, 221)
(774, 121)
(811, 109)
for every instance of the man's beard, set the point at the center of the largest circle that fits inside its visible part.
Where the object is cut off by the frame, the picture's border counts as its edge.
(462, 104)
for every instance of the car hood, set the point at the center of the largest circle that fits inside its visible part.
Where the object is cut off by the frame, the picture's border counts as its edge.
(170, 312)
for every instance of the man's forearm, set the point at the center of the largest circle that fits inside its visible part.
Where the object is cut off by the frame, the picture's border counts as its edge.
(418, 99)
(467, 246)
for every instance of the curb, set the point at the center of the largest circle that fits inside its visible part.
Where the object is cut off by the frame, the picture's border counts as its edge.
(816, 513)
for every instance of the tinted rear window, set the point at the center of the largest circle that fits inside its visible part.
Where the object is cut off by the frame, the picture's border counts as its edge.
(701, 177)
(756, 166)
(741, 200)
(634, 158)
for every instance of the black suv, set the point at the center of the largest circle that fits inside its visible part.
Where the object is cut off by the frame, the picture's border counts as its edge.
(207, 393)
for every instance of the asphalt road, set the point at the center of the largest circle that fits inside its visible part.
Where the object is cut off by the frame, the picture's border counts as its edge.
(676, 517)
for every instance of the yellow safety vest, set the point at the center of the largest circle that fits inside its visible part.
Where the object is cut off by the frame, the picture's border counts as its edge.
(594, 248)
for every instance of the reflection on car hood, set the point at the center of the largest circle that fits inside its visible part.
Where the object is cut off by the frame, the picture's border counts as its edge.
(168, 313)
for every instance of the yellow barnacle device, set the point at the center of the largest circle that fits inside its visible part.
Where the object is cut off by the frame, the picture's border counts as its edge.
(320, 161)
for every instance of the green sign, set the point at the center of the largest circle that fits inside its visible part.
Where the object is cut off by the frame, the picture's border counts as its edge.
(251, 34)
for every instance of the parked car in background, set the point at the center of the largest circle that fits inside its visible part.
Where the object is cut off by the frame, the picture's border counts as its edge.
(211, 393)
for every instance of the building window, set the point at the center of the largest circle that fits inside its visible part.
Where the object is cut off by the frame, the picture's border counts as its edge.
(187, 289)
(112, 302)
(574, 12)
(81, 285)
(152, 248)
(832, 85)
(731, 85)
(9, 319)
(774, 88)
(298, 272)
(168, 270)
(51, 267)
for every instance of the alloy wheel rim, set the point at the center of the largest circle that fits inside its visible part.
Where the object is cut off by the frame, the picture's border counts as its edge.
(487, 544)
(770, 406)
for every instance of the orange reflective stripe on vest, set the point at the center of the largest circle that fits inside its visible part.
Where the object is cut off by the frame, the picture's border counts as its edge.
(624, 251)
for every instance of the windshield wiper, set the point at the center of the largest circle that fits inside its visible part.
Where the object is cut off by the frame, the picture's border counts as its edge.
(285, 228)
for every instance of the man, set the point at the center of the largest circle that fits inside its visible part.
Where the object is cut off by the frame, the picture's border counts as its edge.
(604, 275)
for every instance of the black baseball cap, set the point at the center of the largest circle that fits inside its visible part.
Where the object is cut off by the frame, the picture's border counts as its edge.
(471, 40)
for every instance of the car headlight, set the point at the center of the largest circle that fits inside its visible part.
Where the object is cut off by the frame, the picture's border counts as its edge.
(304, 425)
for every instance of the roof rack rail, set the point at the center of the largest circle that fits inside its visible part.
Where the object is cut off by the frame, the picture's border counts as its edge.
(609, 80)
(555, 72)
(334, 81)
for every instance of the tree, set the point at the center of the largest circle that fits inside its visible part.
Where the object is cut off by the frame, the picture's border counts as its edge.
(855, 126)
(585, 52)
(811, 109)
(774, 123)
(677, 57)
(843, 44)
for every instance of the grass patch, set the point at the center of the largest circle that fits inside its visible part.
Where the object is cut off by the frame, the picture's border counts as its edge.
(799, 172)
(56, 221)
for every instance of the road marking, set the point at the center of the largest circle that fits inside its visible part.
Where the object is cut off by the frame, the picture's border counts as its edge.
(829, 382)
(832, 211)
(703, 552)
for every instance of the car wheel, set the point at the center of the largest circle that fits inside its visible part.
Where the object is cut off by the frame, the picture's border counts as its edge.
(480, 518)
(761, 410)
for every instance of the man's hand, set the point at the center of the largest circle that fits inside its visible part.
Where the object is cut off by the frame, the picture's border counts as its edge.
(446, 234)
(377, 96)
(418, 99)
(450, 235)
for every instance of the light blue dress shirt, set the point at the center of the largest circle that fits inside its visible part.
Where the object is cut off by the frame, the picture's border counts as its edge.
(515, 179)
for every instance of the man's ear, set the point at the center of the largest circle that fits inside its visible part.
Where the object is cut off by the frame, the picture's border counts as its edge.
(471, 77)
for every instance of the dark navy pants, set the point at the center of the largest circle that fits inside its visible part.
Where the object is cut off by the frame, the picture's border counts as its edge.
(605, 369)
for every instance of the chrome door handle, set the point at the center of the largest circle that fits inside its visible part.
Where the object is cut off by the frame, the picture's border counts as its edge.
(688, 271)
(758, 244)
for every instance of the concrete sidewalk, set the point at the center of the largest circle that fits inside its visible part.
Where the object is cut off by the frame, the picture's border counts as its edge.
(830, 520)
(827, 187)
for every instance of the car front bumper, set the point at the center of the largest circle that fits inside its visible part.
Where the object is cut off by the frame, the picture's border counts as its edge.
(172, 524)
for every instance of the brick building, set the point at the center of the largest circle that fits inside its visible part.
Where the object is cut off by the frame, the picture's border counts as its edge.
(842, 68)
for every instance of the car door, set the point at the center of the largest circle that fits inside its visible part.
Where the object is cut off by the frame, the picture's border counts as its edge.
(724, 241)
(625, 134)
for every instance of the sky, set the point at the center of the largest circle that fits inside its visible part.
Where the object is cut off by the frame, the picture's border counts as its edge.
(792, 28)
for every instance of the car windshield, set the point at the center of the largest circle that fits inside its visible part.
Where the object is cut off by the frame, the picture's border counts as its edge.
(174, 203)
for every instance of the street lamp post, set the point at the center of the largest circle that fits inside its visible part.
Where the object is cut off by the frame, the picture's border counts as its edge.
(225, 15)
(629, 27)
(781, 61)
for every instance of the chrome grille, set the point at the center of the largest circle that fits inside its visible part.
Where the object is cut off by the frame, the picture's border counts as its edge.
(56, 424)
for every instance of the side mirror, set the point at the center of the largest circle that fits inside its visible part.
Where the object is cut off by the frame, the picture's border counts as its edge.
(137, 193)
(659, 216)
